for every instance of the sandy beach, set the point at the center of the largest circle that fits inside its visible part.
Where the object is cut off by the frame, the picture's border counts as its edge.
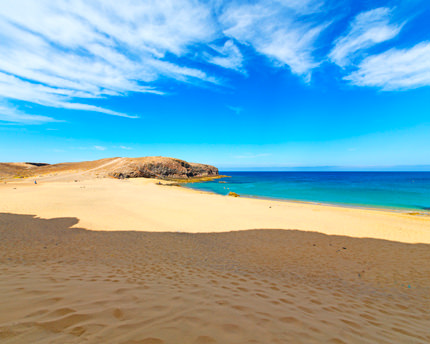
(128, 261)
(142, 205)
(214, 172)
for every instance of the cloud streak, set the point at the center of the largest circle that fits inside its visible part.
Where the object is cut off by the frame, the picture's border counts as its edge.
(228, 56)
(12, 115)
(395, 69)
(366, 30)
(276, 31)
(53, 53)
(67, 53)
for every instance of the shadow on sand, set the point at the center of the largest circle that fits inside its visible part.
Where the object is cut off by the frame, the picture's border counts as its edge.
(286, 248)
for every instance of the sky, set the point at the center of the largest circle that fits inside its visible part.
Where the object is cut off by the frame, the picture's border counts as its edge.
(242, 85)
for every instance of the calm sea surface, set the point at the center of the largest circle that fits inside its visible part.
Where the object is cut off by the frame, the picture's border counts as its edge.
(398, 190)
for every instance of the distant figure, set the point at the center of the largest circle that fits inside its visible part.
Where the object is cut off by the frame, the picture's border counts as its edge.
(35, 182)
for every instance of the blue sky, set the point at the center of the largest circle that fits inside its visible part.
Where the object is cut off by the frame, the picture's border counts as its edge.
(285, 84)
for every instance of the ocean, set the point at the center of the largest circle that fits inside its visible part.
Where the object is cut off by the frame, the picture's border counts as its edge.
(393, 190)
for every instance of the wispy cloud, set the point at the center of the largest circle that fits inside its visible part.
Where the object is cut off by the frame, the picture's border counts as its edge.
(125, 147)
(10, 114)
(100, 148)
(395, 69)
(366, 30)
(54, 52)
(274, 29)
(12, 87)
(302, 6)
(67, 53)
(228, 56)
(236, 109)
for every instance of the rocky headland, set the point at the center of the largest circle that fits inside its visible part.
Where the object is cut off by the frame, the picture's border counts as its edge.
(121, 168)
(162, 168)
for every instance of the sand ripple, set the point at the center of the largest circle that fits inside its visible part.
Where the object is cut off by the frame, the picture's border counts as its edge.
(62, 285)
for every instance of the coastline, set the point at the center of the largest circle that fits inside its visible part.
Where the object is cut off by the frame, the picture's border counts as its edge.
(408, 211)
(392, 191)
(142, 205)
(130, 261)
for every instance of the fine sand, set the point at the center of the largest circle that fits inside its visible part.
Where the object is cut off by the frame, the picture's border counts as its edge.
(322, 274)
(142, 205)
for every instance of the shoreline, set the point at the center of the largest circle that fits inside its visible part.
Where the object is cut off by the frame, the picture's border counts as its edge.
(408, 211)
(182, 183)
(130, 261)
(107, 204)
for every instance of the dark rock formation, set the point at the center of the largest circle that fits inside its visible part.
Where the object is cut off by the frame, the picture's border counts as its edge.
(162, 168)
(38, 164)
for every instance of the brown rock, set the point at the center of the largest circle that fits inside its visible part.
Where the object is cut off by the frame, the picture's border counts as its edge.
(162, 168)
(147, 167)
(233, 194)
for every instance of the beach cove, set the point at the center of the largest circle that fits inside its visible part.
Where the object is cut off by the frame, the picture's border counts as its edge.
(131, 261)
(214, 172)
(142, 204)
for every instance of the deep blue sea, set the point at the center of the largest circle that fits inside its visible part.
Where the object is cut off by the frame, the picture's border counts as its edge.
(394, 190)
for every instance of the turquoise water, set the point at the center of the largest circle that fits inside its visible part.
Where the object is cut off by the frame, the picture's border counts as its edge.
(395, 190)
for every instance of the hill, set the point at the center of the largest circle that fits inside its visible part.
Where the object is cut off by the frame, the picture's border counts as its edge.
(147, 167)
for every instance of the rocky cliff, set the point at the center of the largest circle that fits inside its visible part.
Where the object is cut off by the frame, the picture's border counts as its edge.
(163, 168)
(147, 167)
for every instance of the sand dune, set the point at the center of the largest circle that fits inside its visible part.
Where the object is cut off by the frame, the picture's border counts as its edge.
(63, 285)
(11, 170)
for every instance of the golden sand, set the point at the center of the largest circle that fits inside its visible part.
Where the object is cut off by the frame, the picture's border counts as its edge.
(142, 205)
(332, 281)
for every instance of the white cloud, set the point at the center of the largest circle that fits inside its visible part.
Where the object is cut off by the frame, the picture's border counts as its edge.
(302, 6)
(366, 30)
(276, 32)
(125, 147)
(14, 88)
(53, 52)
(100, 148)
(67, 53)
(229, 56)
(12, 115)
(395, 69)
